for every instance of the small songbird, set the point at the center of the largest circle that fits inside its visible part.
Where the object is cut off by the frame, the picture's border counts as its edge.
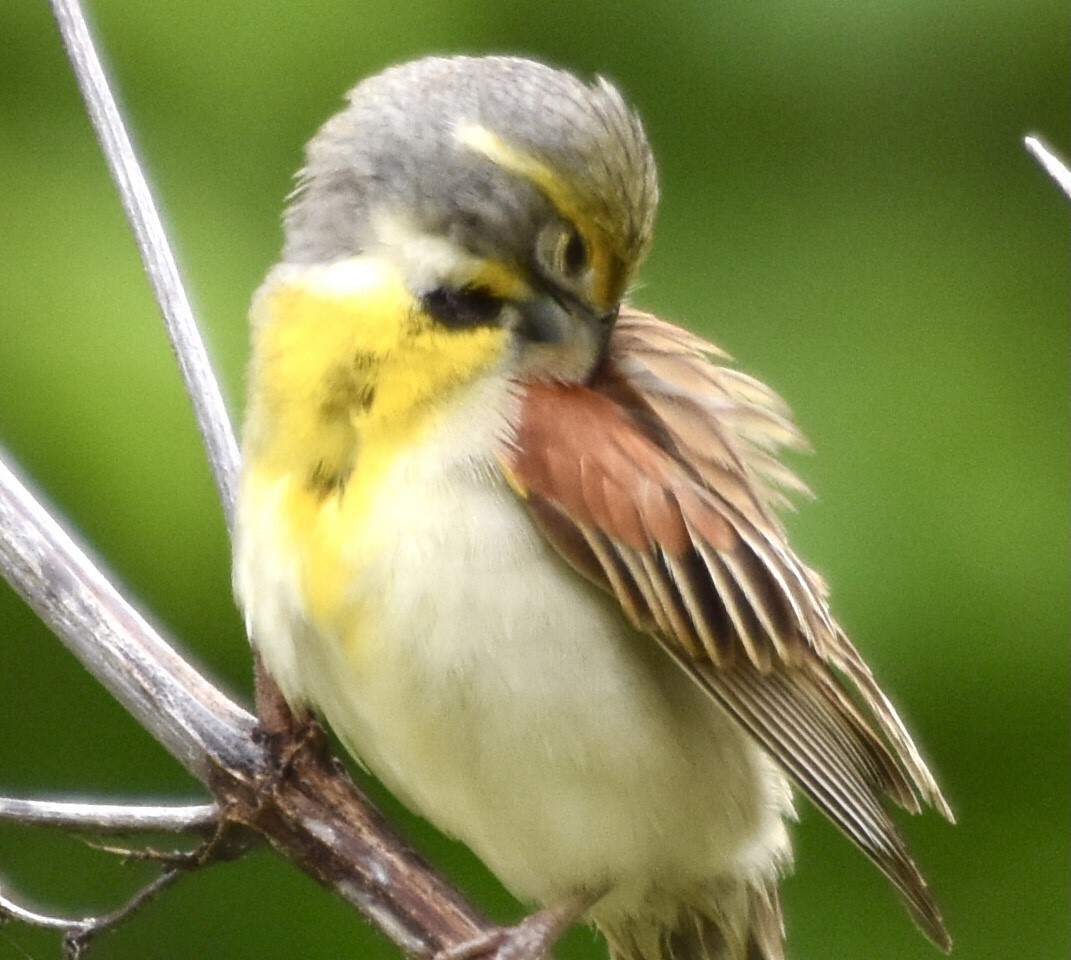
(517, 542)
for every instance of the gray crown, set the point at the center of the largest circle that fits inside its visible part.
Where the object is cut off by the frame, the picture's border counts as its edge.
(394, 147)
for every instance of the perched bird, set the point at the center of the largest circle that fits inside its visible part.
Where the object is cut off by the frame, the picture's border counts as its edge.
(516, 542)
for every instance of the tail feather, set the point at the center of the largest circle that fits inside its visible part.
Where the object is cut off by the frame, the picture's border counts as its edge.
(767, 936)
(741, 922)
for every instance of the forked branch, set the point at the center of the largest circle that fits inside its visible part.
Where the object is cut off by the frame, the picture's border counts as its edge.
(269, 778)
(78, 932)
(303, 804)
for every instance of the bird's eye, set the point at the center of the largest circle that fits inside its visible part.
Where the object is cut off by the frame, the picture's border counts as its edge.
(574, 253)
(462, 307)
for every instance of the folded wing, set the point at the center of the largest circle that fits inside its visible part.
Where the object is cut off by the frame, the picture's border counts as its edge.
(658, 482)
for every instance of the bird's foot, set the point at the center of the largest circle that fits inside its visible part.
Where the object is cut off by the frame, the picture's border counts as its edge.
(531, 939)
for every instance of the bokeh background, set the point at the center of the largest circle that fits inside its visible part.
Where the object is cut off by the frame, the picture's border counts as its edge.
(847, 208)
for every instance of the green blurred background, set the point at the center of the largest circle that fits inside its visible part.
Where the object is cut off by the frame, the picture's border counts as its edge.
(847, 208)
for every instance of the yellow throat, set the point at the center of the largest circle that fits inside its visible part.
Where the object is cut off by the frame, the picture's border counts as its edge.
(347, 372)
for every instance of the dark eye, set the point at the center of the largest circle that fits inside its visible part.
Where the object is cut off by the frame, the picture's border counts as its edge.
(574, 254)
(462, 307)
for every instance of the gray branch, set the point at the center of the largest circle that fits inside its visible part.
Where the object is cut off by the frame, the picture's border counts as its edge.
(305, 806)
(155, 250)
(270, 778)
(1054, 165)
(183, 710)
(79, 931)
(104, 819)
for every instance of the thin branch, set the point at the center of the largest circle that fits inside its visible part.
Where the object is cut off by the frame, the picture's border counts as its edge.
(111, 819)
(288, 789)
(1054, 165)
(177, 705)
(307, 808)
(140, 209)
(15, 908)
(156, 254)
(78, 937)
(79, 931)
(225, 841)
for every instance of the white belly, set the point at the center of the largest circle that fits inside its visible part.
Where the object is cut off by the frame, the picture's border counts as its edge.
(508, 701)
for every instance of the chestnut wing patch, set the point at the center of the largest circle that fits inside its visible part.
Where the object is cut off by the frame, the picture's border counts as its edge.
(658, 483)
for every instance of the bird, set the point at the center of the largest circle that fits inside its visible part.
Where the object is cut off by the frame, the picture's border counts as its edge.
(518, 541)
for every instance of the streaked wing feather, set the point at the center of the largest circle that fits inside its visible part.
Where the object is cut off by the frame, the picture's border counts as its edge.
(658, 482)
(711, 621)
(746, 628)
(849, 800)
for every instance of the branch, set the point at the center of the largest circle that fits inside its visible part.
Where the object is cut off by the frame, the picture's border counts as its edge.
(1055, 166)
(183, 710)
(307, 808)
(155, 251)
(79, 931)
(110, 818)
(287, 789)
(159, 262)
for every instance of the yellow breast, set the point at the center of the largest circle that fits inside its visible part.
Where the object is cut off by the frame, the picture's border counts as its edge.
(347, 375)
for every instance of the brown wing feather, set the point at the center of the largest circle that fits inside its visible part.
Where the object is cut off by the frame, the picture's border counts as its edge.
(658, 482)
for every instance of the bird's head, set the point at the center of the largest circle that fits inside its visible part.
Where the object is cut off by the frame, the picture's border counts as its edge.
(507, 194)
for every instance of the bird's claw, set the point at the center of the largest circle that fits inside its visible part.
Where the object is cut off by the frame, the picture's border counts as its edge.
(521, 942)
(531, 939)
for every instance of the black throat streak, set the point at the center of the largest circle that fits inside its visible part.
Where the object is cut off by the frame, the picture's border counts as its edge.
(325, 481)
(347, 390)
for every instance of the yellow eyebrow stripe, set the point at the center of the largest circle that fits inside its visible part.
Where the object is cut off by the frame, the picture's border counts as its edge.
(504, 155)
(488, 144)
(501, 280)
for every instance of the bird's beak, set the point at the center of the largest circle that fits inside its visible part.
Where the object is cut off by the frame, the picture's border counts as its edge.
(554, 319)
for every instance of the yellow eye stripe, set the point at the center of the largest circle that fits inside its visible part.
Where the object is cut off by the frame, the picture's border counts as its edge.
(605, 264)
(500, 280)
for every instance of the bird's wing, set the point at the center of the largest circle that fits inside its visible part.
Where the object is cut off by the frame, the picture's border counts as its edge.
(658, 482)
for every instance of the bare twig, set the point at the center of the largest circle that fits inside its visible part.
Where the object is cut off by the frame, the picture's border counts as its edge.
(270, 778)
(156, 253)
(308, 810)
(79, 931)
(104, 819)
(160, 265)
(226, 841)
(183, 710)
(1054, 165)
(77, 938)
(16, 908)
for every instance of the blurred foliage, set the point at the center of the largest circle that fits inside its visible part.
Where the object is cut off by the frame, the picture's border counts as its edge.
(847, 208)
